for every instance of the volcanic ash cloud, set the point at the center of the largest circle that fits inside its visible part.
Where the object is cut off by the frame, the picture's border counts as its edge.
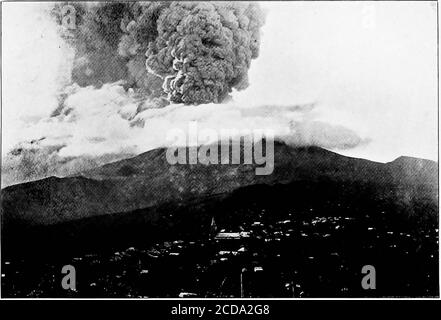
(137, 70)
(183, 52)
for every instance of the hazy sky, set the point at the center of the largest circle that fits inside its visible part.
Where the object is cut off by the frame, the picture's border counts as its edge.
(370, 66)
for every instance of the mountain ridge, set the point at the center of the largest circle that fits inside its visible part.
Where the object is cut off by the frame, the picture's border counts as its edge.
(147, 180)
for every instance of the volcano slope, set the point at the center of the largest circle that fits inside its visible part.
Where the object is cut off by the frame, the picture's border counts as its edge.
(136, 191)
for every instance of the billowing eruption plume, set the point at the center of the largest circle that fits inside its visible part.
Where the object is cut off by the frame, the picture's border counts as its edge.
(97, 90)
(182, 52)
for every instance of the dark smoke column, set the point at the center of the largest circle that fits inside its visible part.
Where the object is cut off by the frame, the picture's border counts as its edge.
(203, 50)
(185, 52)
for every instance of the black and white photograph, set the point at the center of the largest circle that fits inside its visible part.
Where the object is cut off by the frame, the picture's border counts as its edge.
(219, 150)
